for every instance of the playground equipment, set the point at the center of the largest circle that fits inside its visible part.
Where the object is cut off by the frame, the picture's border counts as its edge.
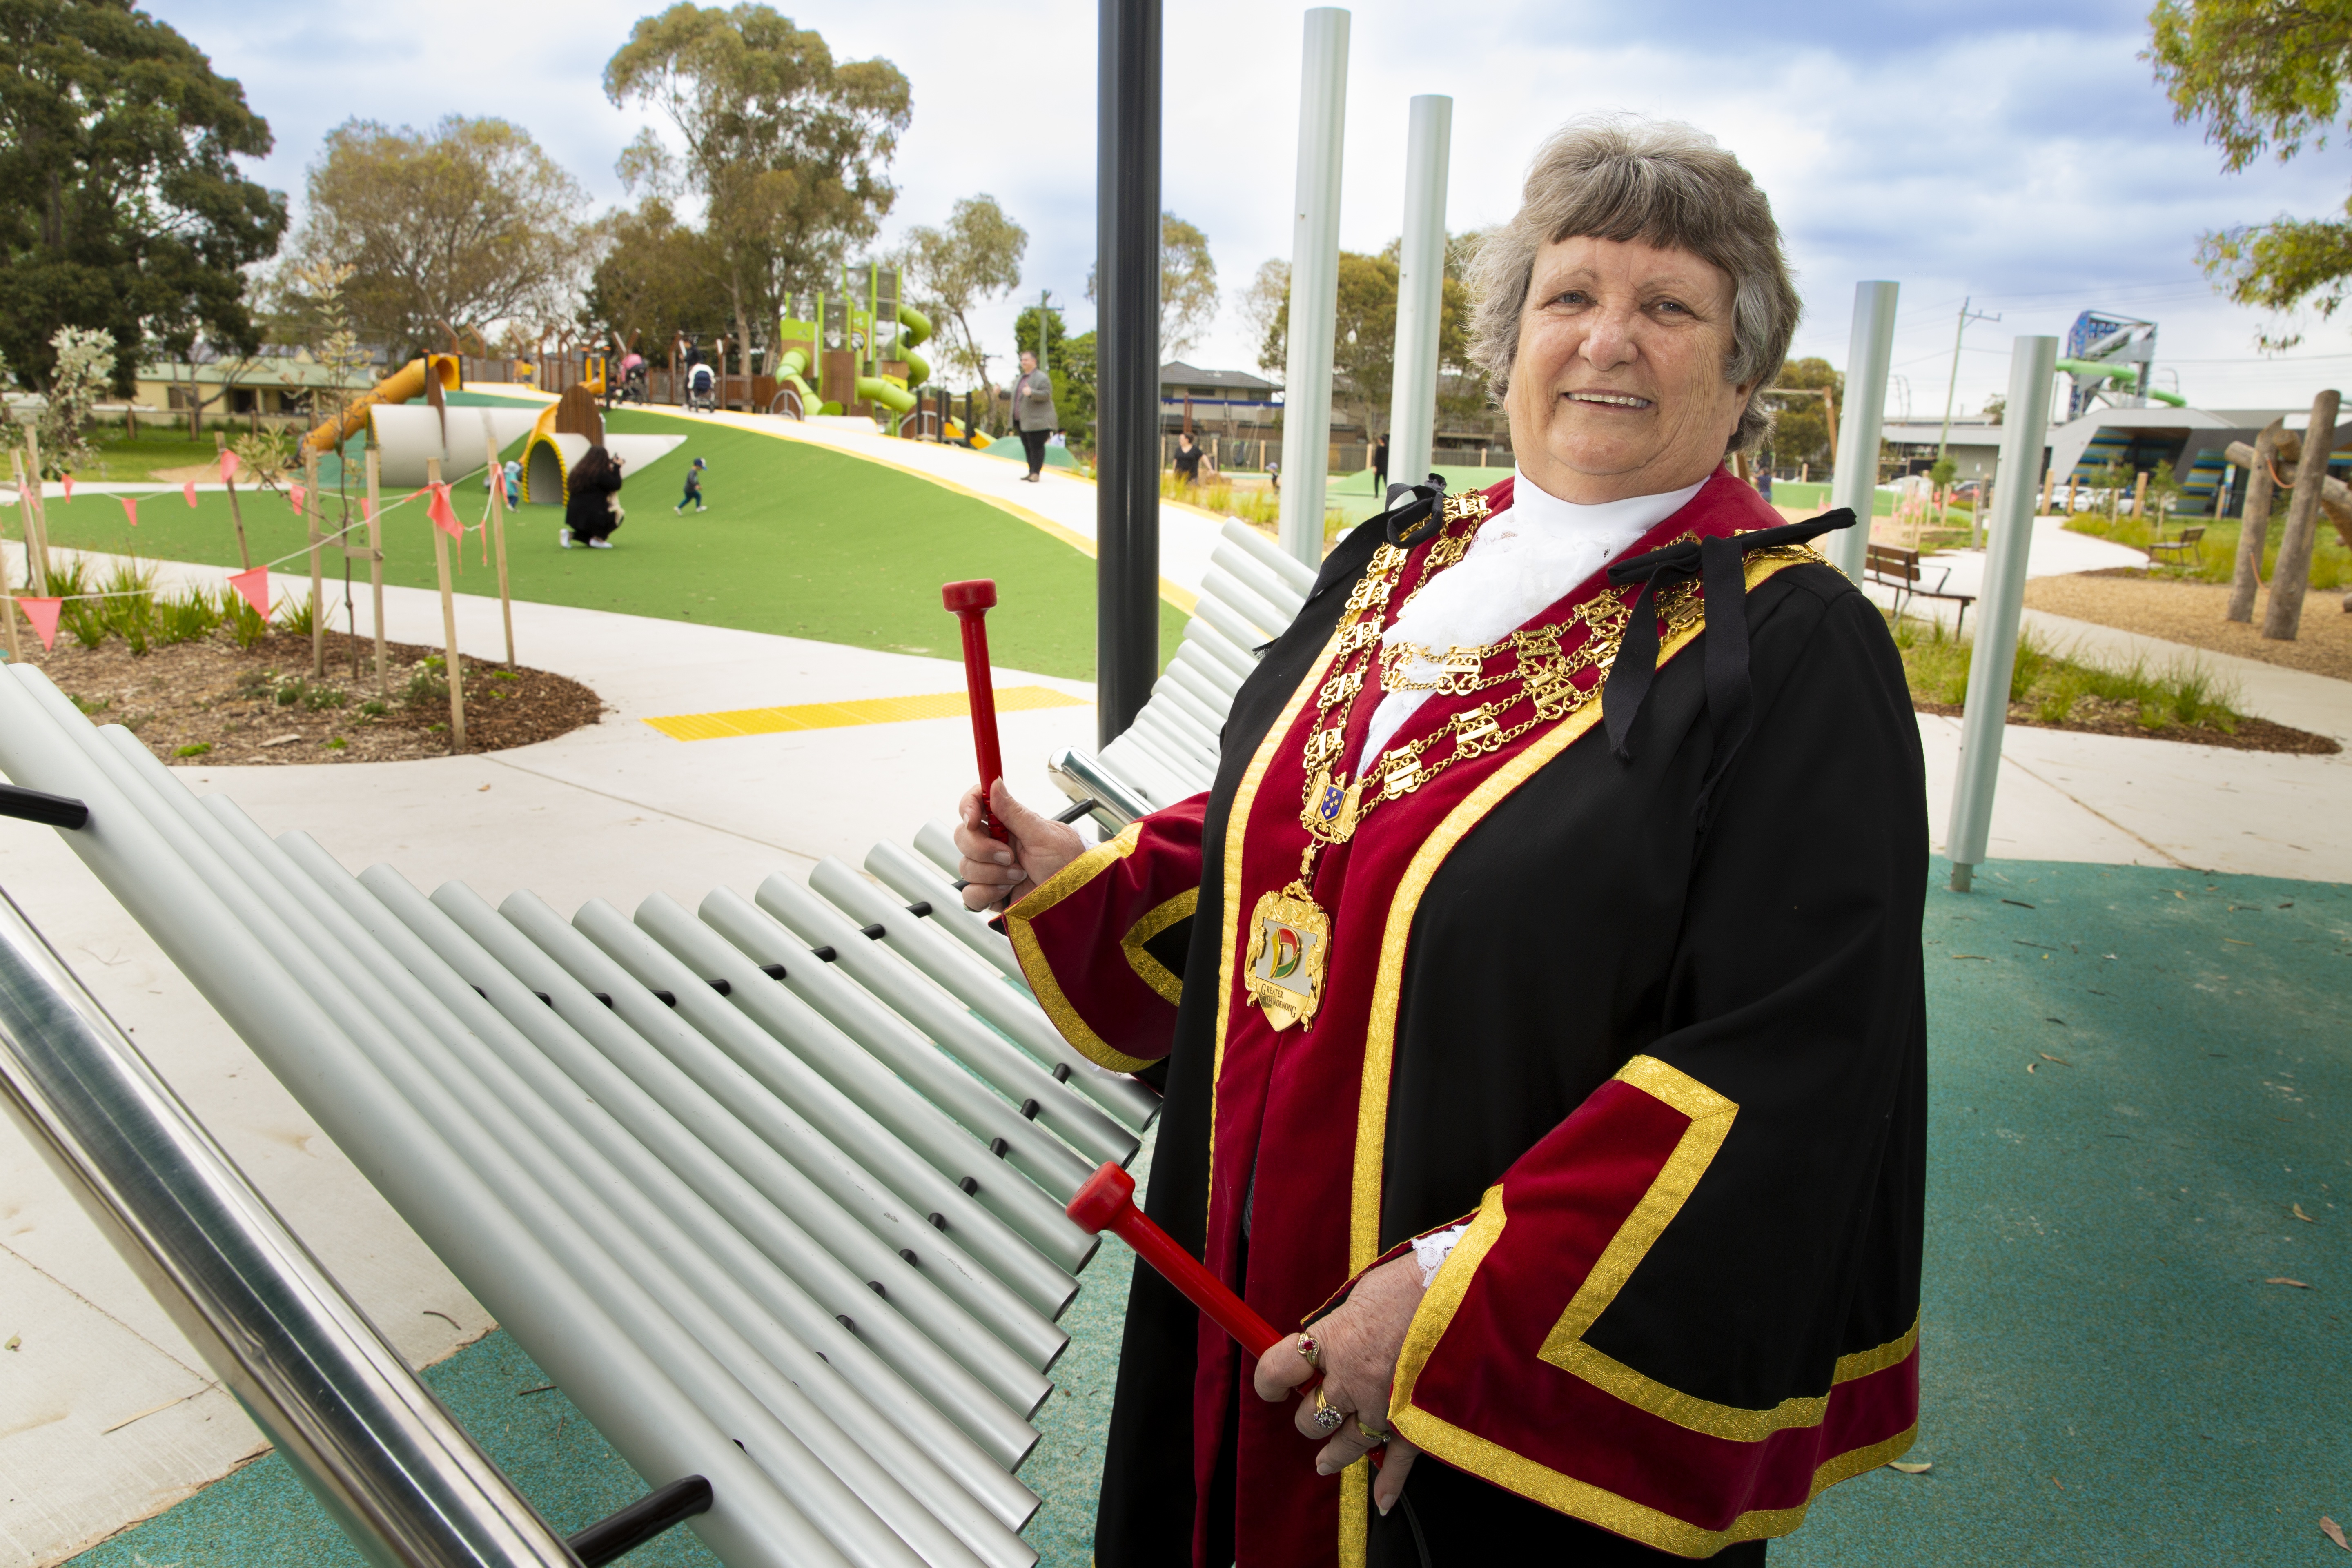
(563, 431)
(417, 377)
(860, 342)
(2111, 359)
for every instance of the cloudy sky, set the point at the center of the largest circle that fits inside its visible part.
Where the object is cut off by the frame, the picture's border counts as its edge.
(2015, 152)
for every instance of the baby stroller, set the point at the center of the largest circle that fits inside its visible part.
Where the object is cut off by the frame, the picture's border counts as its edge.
(702, 390)
(632, 380)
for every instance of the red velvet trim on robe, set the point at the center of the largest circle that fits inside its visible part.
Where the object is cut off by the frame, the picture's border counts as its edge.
(1080, 937)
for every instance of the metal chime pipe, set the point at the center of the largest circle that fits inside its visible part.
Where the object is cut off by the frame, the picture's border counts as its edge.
(385, 1459)
(976, 1499)
(45, 744)
(640, 1293)
(582, 1174)
(1035, 1153)
(889, 977)
(903, 1124)
(916, 882)
(880, 1174)
(938, 956)
(838, 1261)
(581, 1038)
(1870, 356)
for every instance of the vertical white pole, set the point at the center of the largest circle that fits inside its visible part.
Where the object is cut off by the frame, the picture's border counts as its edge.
(1314, 283)
(1855, 483)
(2025, 428)
(1421, 289)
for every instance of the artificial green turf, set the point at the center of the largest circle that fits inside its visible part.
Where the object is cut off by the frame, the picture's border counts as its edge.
(801, 540)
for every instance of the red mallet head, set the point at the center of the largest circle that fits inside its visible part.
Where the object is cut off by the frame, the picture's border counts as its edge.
(1106, 1194)
(980, 593)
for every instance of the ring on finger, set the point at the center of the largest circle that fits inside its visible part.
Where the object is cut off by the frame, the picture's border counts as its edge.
(1375, 1436)
(1309, 1352)
(1327, 1415)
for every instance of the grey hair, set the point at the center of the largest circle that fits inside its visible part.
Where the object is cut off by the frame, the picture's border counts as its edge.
(1662, 183)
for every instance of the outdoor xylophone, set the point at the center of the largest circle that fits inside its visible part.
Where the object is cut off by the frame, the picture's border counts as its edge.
(773, 1188)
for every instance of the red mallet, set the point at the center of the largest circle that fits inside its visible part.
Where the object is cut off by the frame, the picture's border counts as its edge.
(1106, 1202)
(972, 602)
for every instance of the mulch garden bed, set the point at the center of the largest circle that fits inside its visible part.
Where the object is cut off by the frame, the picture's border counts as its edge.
(210, 702)
(2091, 715)
(2194, 613)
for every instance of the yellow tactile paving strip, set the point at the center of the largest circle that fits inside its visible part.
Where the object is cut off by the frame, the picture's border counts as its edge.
(861, 710)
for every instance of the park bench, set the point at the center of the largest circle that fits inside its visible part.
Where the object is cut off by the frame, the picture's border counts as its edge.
(1899, 569)
(2190, 546)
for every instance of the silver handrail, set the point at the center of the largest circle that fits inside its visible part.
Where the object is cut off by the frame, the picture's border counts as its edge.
(387, 1461)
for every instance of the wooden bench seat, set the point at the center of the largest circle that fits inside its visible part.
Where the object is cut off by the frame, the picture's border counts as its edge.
(1899, 569)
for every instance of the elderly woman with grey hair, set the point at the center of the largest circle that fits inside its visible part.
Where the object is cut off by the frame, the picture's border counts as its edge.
(1538, 992)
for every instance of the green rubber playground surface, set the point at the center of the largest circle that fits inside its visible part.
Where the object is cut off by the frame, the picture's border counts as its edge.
(799, 540)
(2109, 1374)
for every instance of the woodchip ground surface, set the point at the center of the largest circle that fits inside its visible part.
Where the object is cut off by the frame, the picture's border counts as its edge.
(2191, 612)
(212, 694)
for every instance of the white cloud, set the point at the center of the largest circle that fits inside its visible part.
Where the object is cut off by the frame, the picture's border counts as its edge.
(2029, 163)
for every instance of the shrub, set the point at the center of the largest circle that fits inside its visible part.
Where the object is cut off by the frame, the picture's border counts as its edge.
(191, 615)
(294, 615)
(245, 624)
(128, 607)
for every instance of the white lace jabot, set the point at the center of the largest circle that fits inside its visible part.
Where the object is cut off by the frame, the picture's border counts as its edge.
(1525, 557)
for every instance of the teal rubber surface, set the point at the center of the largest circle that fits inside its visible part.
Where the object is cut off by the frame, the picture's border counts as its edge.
(2109, 1378)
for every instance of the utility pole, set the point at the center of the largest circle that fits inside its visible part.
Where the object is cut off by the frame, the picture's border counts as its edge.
(1944, 443)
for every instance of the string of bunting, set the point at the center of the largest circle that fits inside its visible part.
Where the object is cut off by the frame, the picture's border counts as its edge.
(252, 585)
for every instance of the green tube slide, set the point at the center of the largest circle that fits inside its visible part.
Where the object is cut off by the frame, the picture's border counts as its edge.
(789, 371)
(2092, 370)
(919, 330)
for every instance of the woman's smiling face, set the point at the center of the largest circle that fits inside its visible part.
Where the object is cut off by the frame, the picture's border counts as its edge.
(1618, 388)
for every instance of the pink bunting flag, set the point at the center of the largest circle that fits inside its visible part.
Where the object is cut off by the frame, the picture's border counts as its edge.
(444, 515)
(228, 465)
(43, 614)
(69, 487)
(130, 509)
(254, 588)
(189, 489)
(294, 494)
(367, 510)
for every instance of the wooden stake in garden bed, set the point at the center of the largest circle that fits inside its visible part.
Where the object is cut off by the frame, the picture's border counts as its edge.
(236, 512)
(455, 670)
(2283, 616)
(2255, 531)
(317, 567)
(499, 534)
(376, 565)
(37, 533)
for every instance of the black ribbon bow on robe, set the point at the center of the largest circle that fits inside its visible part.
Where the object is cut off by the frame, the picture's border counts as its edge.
(1414, 510)
(1723, 585)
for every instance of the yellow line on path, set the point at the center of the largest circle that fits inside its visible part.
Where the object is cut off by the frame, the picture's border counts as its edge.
(859, 710)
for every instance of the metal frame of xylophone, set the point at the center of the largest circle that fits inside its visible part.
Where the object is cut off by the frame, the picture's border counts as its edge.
(771, 1189)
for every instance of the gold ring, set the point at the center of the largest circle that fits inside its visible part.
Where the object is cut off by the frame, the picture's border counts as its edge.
(1375, 1436)
(1327, 1415)
(1309, 1352)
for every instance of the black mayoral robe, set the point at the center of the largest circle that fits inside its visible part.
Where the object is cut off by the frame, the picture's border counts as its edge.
(1657, 1035)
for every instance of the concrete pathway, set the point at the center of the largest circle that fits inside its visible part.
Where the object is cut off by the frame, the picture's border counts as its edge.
(107, 1415)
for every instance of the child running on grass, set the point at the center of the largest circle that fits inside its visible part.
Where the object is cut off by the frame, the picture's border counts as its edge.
(693, 487)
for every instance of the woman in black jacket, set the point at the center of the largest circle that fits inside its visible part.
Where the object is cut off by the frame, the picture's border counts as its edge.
(592, 506)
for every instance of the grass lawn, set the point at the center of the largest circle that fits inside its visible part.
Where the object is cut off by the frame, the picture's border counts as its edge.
(801, 540)
(2217, 559)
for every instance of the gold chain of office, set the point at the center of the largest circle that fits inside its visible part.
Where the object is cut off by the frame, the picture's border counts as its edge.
(1542, 672)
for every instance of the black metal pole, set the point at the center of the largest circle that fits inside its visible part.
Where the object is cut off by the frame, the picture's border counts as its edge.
(1126, 347)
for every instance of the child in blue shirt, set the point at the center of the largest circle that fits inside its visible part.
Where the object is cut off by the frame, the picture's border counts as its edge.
(693, 487)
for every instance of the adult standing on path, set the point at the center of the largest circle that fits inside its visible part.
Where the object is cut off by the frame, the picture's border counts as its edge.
(1517, 1041)
(1033, 414)
(1381, 466)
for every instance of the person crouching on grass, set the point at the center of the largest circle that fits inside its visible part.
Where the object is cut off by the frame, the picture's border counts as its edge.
(693, 487)
(592, 506)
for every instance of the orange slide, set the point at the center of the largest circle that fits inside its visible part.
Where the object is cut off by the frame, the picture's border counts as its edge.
(401, 385)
